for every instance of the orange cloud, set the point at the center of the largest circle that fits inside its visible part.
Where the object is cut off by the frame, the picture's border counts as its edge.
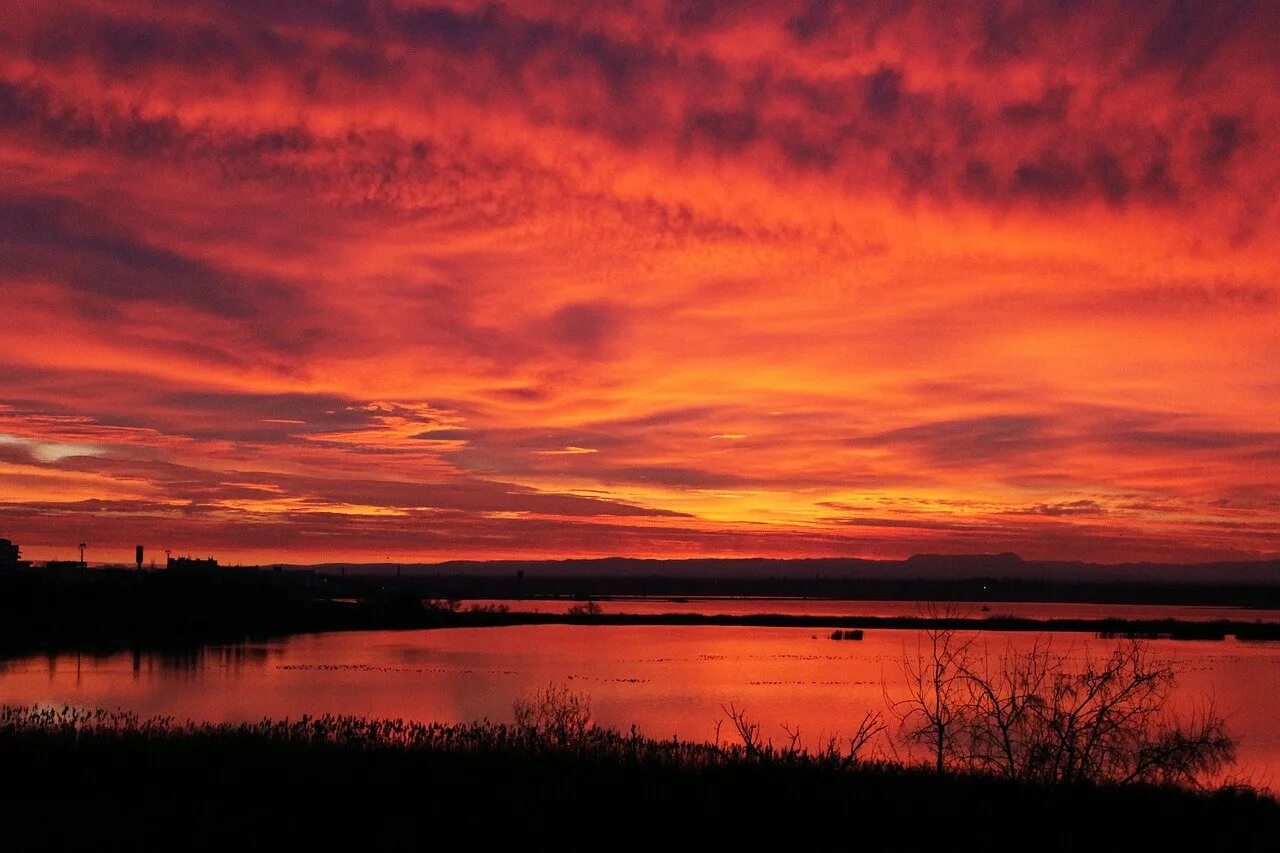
(474, 279)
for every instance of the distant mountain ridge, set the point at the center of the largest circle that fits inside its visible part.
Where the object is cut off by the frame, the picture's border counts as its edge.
(916, 567)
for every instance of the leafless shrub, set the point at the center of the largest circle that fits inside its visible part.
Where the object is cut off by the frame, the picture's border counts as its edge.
(871, 728)
(755, 745)
(932, 713)
(554, 712)
(1002, 708)
(748, 731)
(1038, 716)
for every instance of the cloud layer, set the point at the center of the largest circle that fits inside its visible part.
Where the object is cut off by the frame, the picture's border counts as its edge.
(400, 280)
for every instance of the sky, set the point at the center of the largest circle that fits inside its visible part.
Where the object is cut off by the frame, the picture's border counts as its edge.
(393, 281)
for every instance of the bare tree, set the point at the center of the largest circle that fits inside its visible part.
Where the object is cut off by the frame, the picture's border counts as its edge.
(748, 731)
(1109, 719)
(1004, 707)
(1040, 716)
(932, 714)
(868, 730)
(555, 712)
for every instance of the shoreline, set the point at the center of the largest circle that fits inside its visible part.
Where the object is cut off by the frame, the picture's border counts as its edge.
(357, 617)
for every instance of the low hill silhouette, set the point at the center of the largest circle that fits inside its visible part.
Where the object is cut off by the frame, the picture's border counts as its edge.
(916, 567)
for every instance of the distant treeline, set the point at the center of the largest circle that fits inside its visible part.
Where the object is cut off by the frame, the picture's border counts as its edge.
(111, 781)
(924, 567)
(978, 589)
(100, 608)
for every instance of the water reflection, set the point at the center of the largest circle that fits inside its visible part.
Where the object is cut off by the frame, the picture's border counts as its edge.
(668, 680)
(169, 662)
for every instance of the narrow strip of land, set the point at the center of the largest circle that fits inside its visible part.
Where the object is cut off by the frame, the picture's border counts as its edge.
(175, 627)
(1147, 628)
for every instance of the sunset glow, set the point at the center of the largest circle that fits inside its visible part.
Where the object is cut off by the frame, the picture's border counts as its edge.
(397, 281)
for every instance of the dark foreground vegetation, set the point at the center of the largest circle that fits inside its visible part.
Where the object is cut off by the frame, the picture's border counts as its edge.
(117, 782)
(1027, 750)
(108, 609)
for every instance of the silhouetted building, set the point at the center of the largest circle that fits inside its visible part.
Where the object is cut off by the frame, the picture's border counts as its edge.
(190, 564)
(8, 555)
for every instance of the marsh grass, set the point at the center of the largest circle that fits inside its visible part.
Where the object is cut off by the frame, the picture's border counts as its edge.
(152, 782)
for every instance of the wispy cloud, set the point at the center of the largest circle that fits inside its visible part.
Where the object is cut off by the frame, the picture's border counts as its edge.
(472, 278)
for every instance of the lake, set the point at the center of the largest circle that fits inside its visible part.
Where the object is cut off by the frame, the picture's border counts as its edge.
(667, 680)
(750, 606)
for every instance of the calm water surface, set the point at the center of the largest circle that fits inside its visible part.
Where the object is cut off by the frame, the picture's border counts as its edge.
(667, 680)
(746, 606)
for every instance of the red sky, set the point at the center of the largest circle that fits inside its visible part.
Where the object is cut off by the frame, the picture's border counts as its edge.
(348, 280)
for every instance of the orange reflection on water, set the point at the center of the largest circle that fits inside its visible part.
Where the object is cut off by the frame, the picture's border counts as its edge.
(667, 680)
